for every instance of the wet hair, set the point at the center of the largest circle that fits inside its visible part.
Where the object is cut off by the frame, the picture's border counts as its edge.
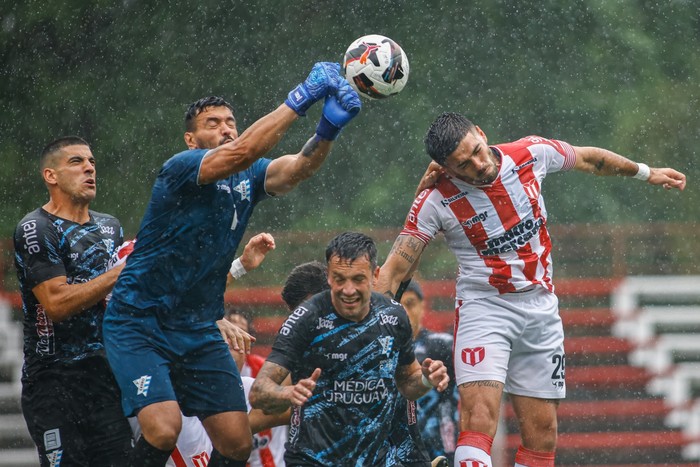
(414, 287)
(202, 104)
(56, 145)
(445, 134)
(304, 280)
(350, 246)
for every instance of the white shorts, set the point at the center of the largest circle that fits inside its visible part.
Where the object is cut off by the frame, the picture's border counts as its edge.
(514, 338)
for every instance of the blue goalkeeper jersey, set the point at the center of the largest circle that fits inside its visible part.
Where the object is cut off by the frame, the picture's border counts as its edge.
(186, 243)
(348, 419)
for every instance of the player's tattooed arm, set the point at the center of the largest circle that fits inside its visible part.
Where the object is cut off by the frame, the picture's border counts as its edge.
(400, 264)
(271, 396)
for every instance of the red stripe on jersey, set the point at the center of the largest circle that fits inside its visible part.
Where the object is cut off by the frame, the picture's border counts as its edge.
(266, 457)
(411, 226)
(463, 210)
(532, 187)
(177, 458)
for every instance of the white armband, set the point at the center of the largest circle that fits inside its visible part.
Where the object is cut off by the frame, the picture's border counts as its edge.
(643, 172)
(237, 270)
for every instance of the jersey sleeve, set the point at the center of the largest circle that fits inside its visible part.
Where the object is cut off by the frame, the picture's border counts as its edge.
(422, 221)
(292, 339)
(258, 173)
(182, 170)
(37, 247)
(556, 155)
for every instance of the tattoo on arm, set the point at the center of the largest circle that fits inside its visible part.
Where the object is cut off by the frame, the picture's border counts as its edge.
(599, 165)
(271, 397)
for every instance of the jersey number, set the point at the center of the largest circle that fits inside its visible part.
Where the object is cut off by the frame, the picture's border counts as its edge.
(559, 366)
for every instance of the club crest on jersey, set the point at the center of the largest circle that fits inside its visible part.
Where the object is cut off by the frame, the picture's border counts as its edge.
(471, 463)
(473, 356)
(142, 385)
(387, 343)
(54, 458)
(109, 243)
(532, 189)
(243, 189)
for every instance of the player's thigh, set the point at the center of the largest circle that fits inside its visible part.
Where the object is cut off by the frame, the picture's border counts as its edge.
(479, 406)
(484, 333)
(537, 419)
(537, 360)
(140, 358)
(207, 380)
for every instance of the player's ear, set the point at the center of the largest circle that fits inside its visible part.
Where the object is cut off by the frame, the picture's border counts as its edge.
(375, 275)
(49, 175)
(481, 133)
(189, 140)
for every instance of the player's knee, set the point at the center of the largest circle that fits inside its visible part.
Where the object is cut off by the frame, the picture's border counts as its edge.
(162, 435)
(479, 417)
(239, 451)
(540, 434)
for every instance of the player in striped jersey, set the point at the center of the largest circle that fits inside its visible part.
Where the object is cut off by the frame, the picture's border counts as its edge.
(487, 202)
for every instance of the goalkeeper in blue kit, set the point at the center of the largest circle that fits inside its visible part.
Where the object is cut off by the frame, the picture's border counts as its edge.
(161, 327)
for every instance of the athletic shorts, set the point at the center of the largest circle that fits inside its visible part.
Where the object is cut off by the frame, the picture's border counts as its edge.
(74, 415)
(194, 368)
(514, 338)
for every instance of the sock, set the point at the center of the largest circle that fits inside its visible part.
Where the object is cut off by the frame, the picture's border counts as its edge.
(146, 455)
(528, 458)
(473, 449)
(217, 460)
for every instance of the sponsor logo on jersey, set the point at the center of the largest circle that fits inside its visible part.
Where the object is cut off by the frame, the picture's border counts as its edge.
(411, 417)
(517, 168)
(387, 343)
(452, 199)
(473, 356)
(44, 329)
(107, 230)
(389, 319)
(513, 238)
(336, 356)
(354, 392)
(243, 189)
(471, 222)
(142, 385)
(293, 318)
(223, 187)
(31, 241)
(324, 323)
(74, 256)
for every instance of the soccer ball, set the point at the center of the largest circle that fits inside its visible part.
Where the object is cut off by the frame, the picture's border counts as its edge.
(376, 67)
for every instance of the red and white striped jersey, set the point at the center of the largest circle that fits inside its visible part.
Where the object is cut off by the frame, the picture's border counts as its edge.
(268, 445)
(498, 233)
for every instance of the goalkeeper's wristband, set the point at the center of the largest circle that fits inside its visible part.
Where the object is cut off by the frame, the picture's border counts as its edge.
(237, 270)
(426, 382)
(299, 100)
(643, 172)
(326, 130)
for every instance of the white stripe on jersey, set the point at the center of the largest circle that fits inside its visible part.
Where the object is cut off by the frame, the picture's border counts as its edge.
(497, 233)
(268, 445)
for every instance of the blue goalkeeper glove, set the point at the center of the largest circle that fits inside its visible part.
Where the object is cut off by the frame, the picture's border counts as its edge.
(324, 80)
(337, 112)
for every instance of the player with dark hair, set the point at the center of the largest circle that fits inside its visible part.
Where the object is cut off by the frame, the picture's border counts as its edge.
(487, 201)
(349, 351)
(160, 328)
(438, 413)
(303, 281)
(70, 399)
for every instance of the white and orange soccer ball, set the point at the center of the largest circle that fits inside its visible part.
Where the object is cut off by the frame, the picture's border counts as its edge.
(376, 66)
